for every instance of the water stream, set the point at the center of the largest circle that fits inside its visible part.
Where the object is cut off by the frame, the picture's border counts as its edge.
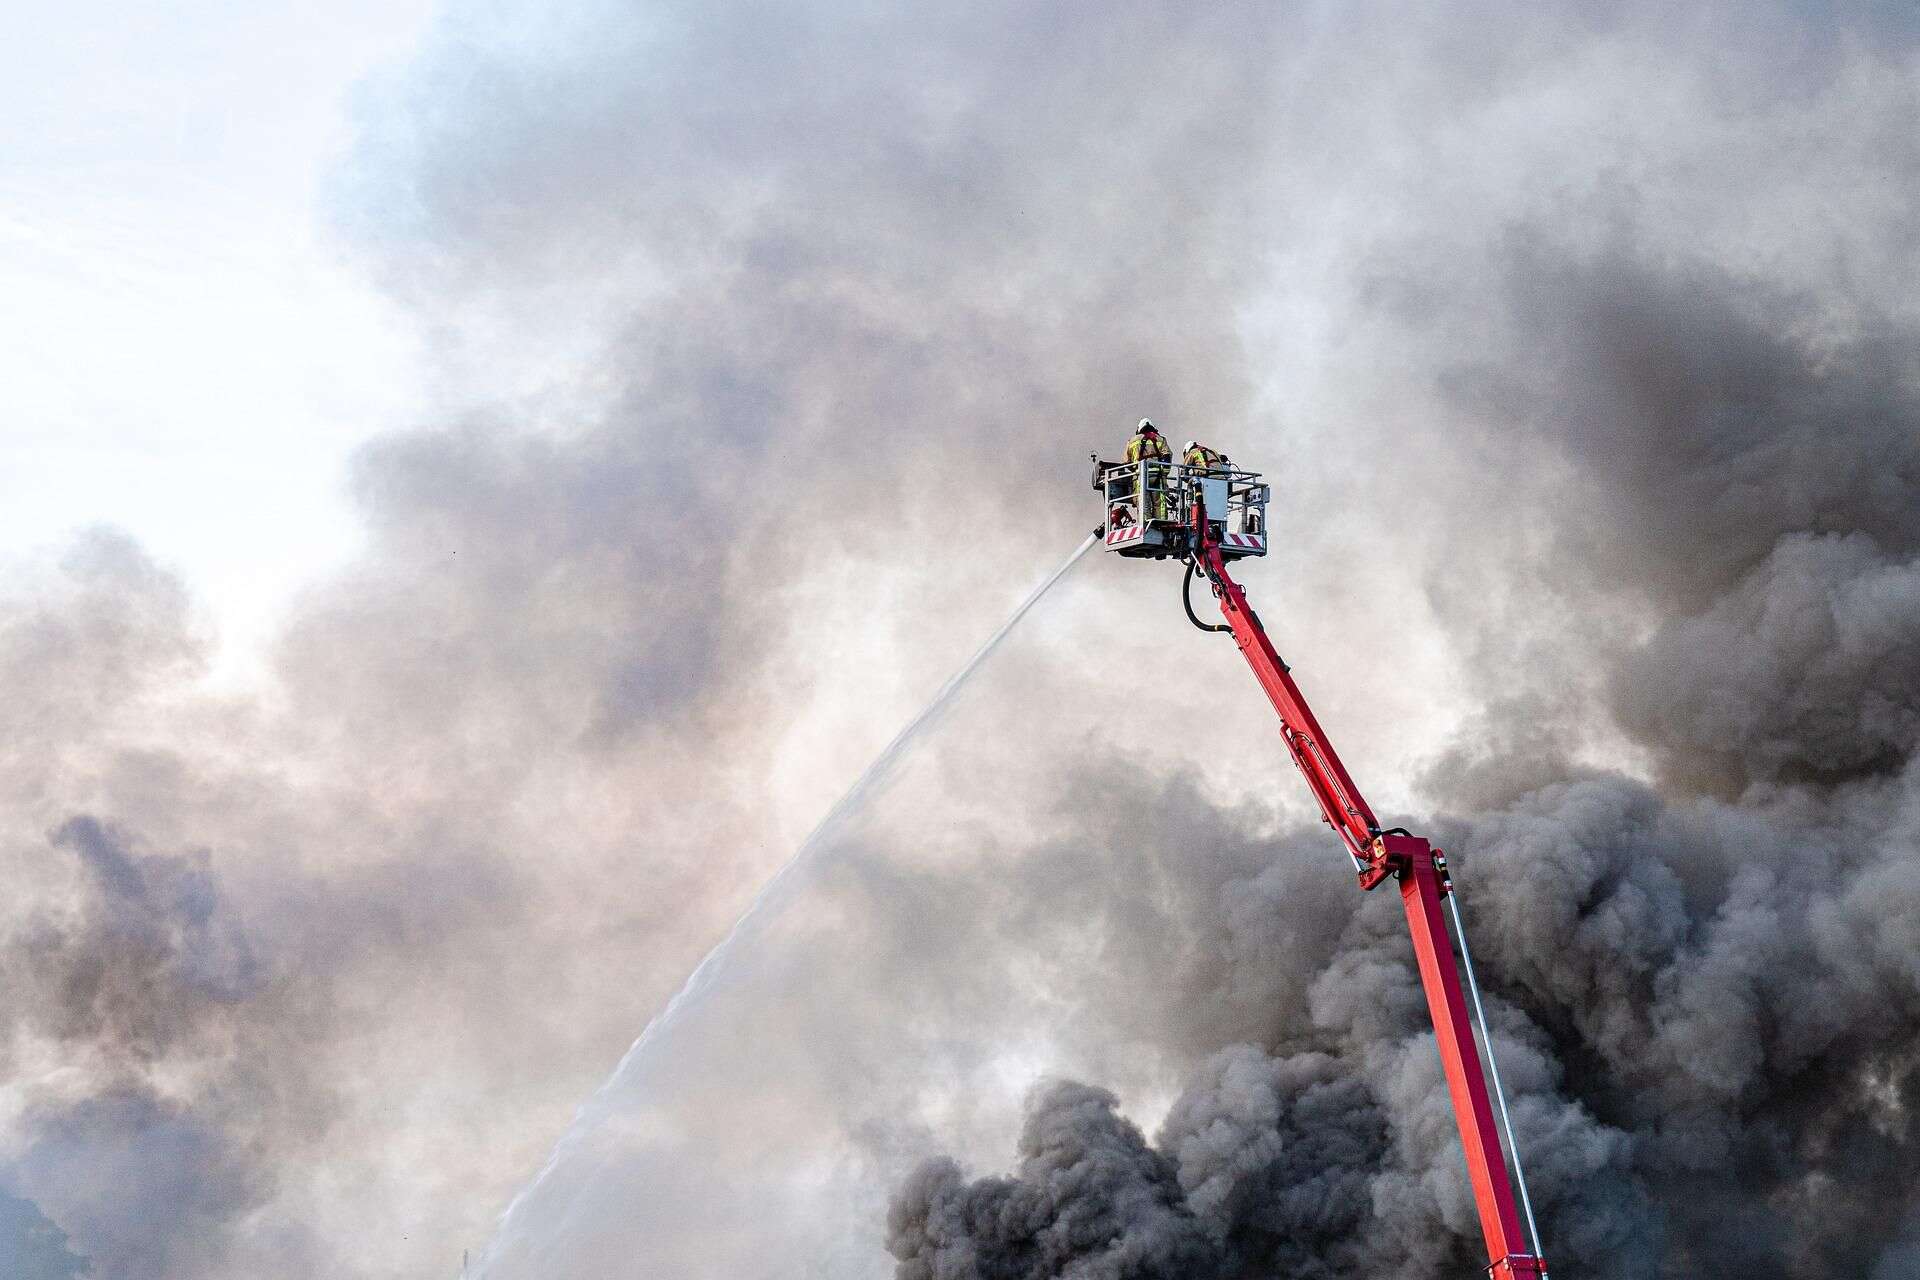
(534, 1212)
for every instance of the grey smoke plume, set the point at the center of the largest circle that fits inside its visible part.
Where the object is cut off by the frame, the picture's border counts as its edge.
(772, 343)
(1090, 1199)
(1807, 668)
(1707, 1000)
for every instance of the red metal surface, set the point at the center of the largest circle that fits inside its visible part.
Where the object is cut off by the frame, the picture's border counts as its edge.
(1340, 801)
(1472, 1108)
(1422, 886)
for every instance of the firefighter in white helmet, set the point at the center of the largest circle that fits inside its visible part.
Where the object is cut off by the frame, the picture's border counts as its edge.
(1150, 447)
(1198, 457)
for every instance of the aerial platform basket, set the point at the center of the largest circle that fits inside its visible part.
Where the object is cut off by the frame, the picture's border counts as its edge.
(1150, 505)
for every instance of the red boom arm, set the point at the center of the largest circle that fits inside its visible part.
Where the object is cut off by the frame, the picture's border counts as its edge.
(1422, 872)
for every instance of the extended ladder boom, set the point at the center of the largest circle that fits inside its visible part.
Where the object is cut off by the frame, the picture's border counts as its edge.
(1422, 872)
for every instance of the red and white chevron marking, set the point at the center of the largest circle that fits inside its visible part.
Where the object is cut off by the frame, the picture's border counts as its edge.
(1248, 541)
(1115, 537)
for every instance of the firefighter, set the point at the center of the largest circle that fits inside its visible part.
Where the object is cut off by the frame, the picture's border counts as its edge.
(1200, 458)
(1147, 445)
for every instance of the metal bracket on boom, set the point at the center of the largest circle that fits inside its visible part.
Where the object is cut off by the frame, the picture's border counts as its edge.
(1396, 852)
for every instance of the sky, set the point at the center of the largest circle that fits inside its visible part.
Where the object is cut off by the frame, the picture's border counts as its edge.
(481, 481)
(191, 353)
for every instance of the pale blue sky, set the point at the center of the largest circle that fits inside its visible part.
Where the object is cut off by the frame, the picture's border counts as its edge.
(187, 351)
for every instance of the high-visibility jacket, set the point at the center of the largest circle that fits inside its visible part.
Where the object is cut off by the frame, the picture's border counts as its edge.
(1149, 449)
(1202, 457)
(1145, 448)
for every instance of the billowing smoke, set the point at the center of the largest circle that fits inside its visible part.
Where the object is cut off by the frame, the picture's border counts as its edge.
(1706, 990)
(770, 344)
(1091, 1198)
(1265, 1164)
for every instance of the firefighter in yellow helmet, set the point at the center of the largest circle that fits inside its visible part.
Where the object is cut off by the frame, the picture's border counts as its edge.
(1147, 445)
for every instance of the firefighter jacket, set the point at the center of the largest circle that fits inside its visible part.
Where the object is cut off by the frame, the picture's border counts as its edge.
(1204, 458)
(1149, 449)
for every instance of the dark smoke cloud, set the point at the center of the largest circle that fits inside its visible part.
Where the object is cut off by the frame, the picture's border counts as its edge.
(1707, 1020)
(1711, 412)
(1275, 1155)
(1806, 669)
(1090, 1199)
(1685, 955)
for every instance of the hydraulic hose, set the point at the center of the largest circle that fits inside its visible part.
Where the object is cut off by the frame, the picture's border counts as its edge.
(1186, 598)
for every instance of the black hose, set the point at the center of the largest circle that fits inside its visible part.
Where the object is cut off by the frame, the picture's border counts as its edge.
(1186, 598)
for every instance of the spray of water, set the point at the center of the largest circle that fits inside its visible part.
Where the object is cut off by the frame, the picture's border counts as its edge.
(772, 898)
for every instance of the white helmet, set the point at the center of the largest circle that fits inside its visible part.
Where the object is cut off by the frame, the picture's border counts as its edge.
(1189, 447)
(1146, 424)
